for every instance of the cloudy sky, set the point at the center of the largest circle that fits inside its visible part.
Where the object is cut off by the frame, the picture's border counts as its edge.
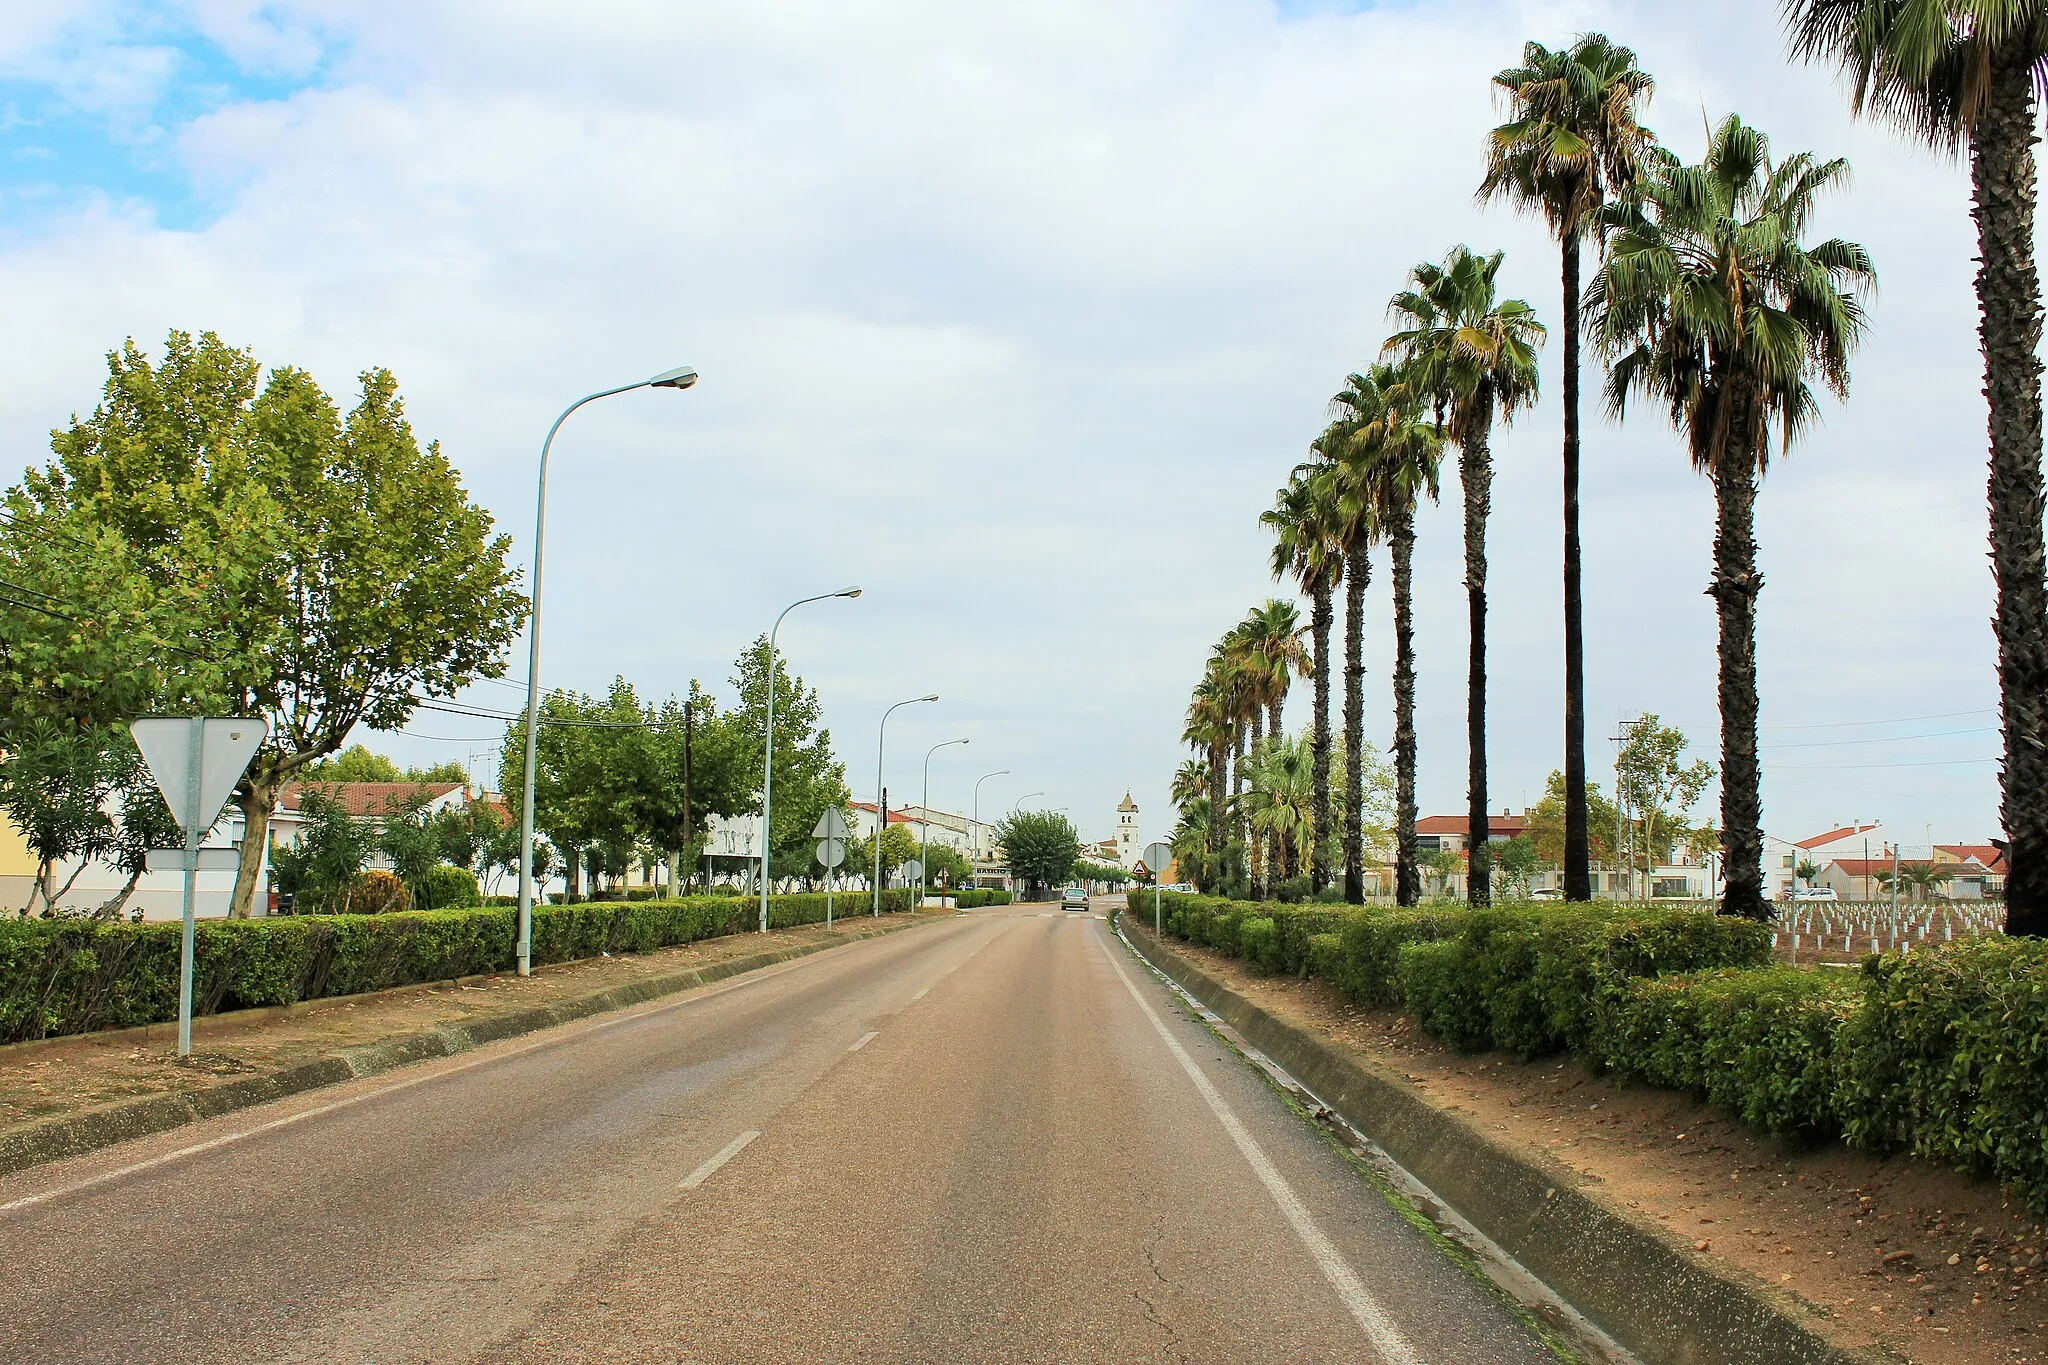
(1015, 315)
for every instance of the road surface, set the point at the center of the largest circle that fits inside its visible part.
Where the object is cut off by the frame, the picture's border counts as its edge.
(989, 1139)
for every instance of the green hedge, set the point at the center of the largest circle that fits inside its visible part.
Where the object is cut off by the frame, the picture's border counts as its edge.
(975, 900)
(78, 976)
(1941, 1052)
(450, 887)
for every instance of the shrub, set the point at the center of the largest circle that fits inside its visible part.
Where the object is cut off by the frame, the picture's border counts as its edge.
(1948, 1059)
(377, 893)
(448, 887)
(1438, 989)
(1258, 942)
(77, 976)
(1367, 966)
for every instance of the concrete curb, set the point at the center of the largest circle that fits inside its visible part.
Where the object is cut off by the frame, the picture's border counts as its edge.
(77, 1134)
(1635, 1282)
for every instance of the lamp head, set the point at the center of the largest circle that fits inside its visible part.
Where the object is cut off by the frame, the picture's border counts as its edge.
(933, 697)
(681, 377)
(847, 592)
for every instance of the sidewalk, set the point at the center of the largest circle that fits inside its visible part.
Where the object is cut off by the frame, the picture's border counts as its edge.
(68, 1095)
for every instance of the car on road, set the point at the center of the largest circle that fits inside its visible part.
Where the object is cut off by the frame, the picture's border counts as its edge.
(1815, 893)
(1073, 898)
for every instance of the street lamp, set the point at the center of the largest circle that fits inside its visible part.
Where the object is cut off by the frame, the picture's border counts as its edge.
(925, 845)
(768, 746)
(882, 793)
(1000, 772)
(682, 377)
(1022, 799)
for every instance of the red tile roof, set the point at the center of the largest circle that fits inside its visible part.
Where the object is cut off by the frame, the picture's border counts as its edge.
(896, 817)
(362, 799)
(1817, 840)
(1986, 854)
(1509, 825)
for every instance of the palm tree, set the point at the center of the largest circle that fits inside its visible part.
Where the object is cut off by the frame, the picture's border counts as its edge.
(1709, 303)
(1474, 355)
(1306, 549)
(1274, 655)
(1573, 137)
(1354, 530)
(1970, 72)
(1190, 782)
(1407, 453)
(1208, 730)
(1280, 798)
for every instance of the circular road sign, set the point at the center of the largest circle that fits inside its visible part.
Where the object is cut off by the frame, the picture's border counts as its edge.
(831, 852)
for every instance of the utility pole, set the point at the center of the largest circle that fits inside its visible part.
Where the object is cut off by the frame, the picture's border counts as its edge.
(689, 728)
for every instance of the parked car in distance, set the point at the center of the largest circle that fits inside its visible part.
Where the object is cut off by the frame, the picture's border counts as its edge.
(1815, 893)
(1074, 898)
(1546, 893)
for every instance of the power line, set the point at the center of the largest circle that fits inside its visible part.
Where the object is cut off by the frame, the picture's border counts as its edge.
(1896, 720)
(1845, 767)
(1884, 739)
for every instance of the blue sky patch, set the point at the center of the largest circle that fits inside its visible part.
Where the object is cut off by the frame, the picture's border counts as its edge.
(99, 116)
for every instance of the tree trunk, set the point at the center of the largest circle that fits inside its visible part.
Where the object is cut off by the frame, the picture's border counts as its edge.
(1578, 874)
(1735, 587)
(256, 800)
(1275, 868)
(572, 874)
(1475, 473)
(2009, 299)
(1319, 755)
(111, 907)
(1219, 777)
(1357, 576)
(1401, 540)
(1258, 872)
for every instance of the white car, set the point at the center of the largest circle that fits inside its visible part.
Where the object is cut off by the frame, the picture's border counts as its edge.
(1815, 893)
(1546, 893)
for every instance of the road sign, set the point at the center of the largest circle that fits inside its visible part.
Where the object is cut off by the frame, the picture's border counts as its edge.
(210, 860)
(912, 870)
(831, 825)
(1157, 856)
(831, 852)
(195, 761)
(224, 747)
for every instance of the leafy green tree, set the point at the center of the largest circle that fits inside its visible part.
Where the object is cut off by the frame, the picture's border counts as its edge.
(351, 577)
(898, 848)
(1546, 823)
(357, 763)
(808, 779)
(584, 793)
(413, 839)
(1442, 864)
(318, 870)
(943, 860)
(1514, 863)
(1658, 788)
(81, 795)
(1712, 304)
(1041, 846)
(1970, 72)
(1574, 135)
(1474, 355)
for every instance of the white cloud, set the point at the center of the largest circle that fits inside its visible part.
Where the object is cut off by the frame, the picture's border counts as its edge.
(1017, 316)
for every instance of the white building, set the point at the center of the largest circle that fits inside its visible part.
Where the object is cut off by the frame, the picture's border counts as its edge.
(1128, 848)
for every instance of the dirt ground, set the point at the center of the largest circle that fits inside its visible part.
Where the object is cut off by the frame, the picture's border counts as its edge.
(61, 1076)
(1934, 1266)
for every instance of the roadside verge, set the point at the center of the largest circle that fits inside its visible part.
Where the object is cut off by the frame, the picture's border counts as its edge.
(176, 1102)
(1633, 1281)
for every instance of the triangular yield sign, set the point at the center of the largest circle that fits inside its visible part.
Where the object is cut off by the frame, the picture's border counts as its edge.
(226, 744)
(831, 825)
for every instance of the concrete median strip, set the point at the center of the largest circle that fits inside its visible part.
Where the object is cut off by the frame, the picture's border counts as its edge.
(1631, 1281)
(77, 1134)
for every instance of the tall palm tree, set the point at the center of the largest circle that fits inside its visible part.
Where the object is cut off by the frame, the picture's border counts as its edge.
(1304, 548)
(1970, 72)
(1407, 451)
(1573, 137)
(1474, 355)
(1274, 655)
(1280, 795)
(1190, 782)
(1710, 303)
(1208, 729)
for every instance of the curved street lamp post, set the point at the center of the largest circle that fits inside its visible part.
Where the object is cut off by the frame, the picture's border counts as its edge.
(768, 738)
(1000, 772)
(925, 845)
(682, 377)
(881, 792)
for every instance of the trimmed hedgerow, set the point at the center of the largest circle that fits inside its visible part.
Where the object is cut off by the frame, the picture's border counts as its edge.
(1760, 1042)
(975, 900)
(77, 976)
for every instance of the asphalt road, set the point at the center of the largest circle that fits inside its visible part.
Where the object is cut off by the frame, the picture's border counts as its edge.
(990, 1139)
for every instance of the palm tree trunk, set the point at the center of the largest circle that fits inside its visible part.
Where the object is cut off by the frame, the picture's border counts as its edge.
(2009, 297)
(1219, 777)
(1320, 622)
(1258, 871)
(1357, 574)
(1578, 875)
(1275, 869)
(1401, 540)
(1475, 473)
(1735, 588)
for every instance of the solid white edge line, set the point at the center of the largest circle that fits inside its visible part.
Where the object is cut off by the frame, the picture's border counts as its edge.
(1386, 1337)
(864, 1040)
(553, 1039)
(724, 1154)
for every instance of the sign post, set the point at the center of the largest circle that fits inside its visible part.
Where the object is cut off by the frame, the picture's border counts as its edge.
(913, 872)
(830, 832)
(1157, 856)
(195, 762)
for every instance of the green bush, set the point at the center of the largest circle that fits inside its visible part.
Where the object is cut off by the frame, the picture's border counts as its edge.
(1948, 1060)
(1437, 987)
(377, 892)
(1761, 1042)
(78, 976)
(1258, 942)
(1367, 964)
(449, 887)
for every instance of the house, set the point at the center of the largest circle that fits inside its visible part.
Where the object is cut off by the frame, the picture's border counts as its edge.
(1449, 832)
(1979, 870)
(370, 800)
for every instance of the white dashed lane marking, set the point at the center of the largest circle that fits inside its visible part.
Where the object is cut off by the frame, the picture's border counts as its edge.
(863, 1040)
(725, 1154)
